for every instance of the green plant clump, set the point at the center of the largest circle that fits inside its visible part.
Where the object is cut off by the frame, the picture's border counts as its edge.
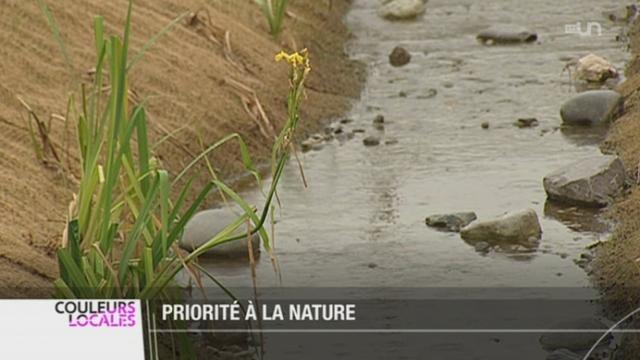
(123, 225)
(274, 11)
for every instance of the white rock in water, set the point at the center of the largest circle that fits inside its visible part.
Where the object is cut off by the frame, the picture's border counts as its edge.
(402, 9)
(515, 227)
(206, 224)
(506, 34)
(592, 181)
(595, 69)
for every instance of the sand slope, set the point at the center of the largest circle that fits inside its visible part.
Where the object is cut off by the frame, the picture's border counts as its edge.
(186, 80)
(617, 267)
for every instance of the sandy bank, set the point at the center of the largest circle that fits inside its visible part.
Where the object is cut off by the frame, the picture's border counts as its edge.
(617, 267)
(186, 78)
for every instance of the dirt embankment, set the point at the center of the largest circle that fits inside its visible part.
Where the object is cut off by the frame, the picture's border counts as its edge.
(617, 267)
(187, 77)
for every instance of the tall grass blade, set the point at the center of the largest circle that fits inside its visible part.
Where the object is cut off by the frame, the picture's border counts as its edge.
(140, 54)
(55, 29)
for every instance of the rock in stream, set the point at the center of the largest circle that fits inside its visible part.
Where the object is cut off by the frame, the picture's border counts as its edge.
(592, 181)
(399, 57)
(371, 141)
(506, 34)
(526, 123)
(592, 108)
(451, 222)
(517, 227)
(594, 68)
(402, 9)
(208, 223)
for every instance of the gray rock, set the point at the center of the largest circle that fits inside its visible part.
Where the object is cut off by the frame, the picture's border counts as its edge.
(592, 108)
(402, 9)
(516, 227)
(563, 354)
(371, 141)
(592, 181)
(399, 56)
(506, 34)
(581, 341)
(451, 222)
(208, 223)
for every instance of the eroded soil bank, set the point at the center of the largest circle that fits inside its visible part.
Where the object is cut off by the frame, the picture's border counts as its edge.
(618, 263)
(186, 78)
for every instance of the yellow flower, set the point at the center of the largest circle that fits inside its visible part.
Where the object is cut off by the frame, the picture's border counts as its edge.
(282, 55)
(296, 59)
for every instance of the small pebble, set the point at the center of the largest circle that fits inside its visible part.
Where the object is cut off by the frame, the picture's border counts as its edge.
(371, 141)
(484, 125)
(526, 122)
(399, 56)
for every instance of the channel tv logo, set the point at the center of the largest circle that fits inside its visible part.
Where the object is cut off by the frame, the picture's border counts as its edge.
(98, 313)
(593, 28)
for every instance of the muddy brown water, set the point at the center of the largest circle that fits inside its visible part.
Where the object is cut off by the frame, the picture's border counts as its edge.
(360, 223)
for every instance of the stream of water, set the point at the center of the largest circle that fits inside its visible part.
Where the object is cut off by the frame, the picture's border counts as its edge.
(361, 220)
(360, 223)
